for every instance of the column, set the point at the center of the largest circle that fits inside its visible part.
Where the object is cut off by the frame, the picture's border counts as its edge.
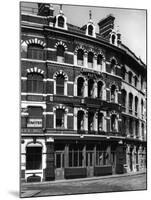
(75, 118)
(66, 156)
(65, 120)
(128, 158)
(134, 159)
(95, 90)
(23, 160)
(95, 62)
(140, 157)
(65, 88)
(104, 93)
(103, 65)
(75, 88)
(75, 58)
(84, 156)
(49, 173)
(85, 60)
(104, 121)
(96, 121)
(86, 88)
(86, 121)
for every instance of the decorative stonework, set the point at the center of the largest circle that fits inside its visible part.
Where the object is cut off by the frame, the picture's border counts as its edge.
(34, 41)
(60, 72)
(36, 70)
(62, 44)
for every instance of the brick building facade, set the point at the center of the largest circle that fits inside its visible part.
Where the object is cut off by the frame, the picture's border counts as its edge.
(83, 99)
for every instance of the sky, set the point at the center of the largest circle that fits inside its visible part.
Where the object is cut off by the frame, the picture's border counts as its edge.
(130, 22)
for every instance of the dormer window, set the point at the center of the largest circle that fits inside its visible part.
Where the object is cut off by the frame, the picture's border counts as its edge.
(113, 39)
(90, 30)
(60, 21)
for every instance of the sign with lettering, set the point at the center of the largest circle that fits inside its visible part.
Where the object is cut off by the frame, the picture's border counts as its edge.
(34, 123)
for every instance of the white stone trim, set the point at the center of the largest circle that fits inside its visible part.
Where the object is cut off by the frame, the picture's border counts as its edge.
(25, 104)
(48, 113)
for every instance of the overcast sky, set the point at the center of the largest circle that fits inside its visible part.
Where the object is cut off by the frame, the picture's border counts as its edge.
(131, 23)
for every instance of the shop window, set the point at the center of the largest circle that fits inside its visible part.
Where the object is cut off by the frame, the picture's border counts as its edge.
(33, 158)
(90, 88)
(34, 117)
(60, 118)
(100, 122)
(35, 51)
(60, 84)
(75, 156)
(80, 87)
(80, 118)
(113, 93)
(114, 123)
(100, 90)
(130, 75)
(35, 83)
(80, 55)
(130, 103)
(60, 53)
(90, 59)
(60, 21)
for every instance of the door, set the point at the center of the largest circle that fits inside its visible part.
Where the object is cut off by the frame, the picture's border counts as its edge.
(90, 163)
(113, 161)
(59, 165)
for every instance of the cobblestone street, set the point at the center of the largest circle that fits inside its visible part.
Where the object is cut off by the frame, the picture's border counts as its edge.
(81, 186)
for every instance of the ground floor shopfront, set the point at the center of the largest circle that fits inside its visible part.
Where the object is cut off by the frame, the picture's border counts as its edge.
(52, 158)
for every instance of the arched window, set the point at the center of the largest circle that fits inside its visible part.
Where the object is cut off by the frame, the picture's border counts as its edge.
(35, 51)
(90, 59)
(60, 118)
(90, 88)
(80, 87)
(100, 122)
(136, 105)
(34, 83)
(135, 81)
(131, 127)
(143, 131)
(99, 61)
(80, 118)
(60, 84)
(130, 103)
(33, 157)
(60, 53)
(113, 93)
(142, 82)
(60, 21)
(90, 30)
(123, 73)
(90, 121)
(100, 90)
(113, 66)
(114, 123)
(137, 128)
(113, 39)
(124, 95)
(130, 75)
(80, 54)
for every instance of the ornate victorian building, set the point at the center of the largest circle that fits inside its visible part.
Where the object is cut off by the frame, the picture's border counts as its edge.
(83, 99)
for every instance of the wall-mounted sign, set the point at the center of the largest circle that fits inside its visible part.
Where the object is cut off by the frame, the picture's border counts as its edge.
(34, 123)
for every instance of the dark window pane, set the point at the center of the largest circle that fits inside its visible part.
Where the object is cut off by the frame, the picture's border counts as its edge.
(33, 158)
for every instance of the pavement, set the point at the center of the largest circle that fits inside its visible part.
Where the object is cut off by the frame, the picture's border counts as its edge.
(111, 183)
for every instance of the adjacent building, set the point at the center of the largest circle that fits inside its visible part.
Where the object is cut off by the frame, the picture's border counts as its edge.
(83, 99)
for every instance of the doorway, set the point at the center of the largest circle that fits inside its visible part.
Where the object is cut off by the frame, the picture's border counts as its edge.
(59, 165)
